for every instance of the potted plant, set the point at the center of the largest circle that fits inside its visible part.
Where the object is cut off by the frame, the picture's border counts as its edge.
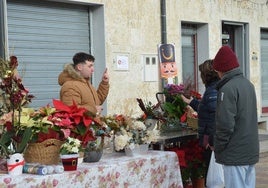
(14, 96)
(192, 164)
(69, 153)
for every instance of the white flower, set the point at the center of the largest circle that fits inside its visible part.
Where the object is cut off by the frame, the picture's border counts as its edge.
(153, 135)
(71, 146)
(120, 142)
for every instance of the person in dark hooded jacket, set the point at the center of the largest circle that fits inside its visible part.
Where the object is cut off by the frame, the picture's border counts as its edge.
(206, 108)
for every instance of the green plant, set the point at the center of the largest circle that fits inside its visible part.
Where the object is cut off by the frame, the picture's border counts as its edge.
(14, 142)
(175, 108)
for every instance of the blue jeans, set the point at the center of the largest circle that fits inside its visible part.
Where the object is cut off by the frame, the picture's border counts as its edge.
(239, 176)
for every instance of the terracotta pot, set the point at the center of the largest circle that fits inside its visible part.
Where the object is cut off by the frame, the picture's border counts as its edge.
(198, 183)
(69, 162)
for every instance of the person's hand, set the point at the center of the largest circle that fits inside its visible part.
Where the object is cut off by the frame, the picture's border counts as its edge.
(186, 100)
(211, 148)
(99, 110)
(105, 76)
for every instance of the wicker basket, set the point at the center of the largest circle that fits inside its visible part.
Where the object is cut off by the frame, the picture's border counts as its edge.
(192, 122)
(46, 152)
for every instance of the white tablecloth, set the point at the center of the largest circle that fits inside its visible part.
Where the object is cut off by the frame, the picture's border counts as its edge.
(154, 169)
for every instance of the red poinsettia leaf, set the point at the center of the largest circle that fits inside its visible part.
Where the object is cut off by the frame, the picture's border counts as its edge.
(88, 137)
(183, 117)
(87, 121)
(60, 106)
(77, 119)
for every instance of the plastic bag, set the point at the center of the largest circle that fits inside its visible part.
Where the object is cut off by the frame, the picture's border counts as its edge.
(215, 176)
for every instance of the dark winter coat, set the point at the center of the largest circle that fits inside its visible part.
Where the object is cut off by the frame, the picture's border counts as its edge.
(206, 108)
(236, 140)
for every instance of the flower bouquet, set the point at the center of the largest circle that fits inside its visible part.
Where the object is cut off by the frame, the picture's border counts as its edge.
(134, 135)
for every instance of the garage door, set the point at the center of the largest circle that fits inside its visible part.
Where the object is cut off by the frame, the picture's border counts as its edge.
(44, 36)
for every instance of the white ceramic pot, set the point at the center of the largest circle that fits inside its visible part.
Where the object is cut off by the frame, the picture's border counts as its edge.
(15, 164)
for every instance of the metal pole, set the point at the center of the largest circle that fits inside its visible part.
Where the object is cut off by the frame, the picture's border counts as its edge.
(163, 22)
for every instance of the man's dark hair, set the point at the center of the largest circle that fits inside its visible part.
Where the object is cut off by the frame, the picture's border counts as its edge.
(81, 57)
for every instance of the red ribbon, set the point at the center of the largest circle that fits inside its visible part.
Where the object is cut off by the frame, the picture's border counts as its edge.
(12, 166)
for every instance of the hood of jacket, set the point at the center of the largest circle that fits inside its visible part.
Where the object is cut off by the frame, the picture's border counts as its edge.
(68, 74)
(228, 76)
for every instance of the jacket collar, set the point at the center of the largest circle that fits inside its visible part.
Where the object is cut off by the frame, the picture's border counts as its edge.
(228, 76)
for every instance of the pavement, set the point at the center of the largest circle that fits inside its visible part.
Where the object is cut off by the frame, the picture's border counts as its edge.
(262, 165)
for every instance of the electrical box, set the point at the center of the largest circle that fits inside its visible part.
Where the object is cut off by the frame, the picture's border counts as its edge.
(151, 72)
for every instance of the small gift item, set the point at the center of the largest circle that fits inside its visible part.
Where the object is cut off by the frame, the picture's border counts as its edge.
(69, 153)
(69, 162)
(15, 164)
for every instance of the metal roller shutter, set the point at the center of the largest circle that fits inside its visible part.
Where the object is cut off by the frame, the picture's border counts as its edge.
(44, 36)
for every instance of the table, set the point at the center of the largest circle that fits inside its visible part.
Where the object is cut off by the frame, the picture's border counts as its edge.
(173, 139)
(158, 169)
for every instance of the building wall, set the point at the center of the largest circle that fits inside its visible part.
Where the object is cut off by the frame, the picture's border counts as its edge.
(134, 27)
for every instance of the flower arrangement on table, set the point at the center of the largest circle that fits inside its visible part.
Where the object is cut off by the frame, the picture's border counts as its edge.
(176, 110)
(135, 133)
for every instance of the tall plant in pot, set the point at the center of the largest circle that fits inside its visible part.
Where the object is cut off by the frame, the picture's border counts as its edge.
(14, 96)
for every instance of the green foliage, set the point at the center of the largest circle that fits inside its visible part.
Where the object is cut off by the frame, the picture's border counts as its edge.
(14, 142)
(175, 108)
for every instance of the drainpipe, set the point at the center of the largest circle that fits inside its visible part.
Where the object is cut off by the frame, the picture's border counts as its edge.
(163, 22)
(3, 46)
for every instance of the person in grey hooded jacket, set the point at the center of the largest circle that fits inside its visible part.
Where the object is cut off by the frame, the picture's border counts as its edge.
(236, 140)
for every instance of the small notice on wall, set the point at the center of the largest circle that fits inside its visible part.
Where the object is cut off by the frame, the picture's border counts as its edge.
(122, 62)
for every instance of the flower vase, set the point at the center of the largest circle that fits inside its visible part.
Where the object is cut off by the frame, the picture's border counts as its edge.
(69, 162)
(137, 150)
(94, 150)
(15, 164)
(150, 123)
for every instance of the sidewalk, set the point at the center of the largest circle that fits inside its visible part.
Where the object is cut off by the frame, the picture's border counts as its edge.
(262, 165)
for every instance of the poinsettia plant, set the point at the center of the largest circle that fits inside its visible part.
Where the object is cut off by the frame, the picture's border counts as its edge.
(63, 121)
(191, 160)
